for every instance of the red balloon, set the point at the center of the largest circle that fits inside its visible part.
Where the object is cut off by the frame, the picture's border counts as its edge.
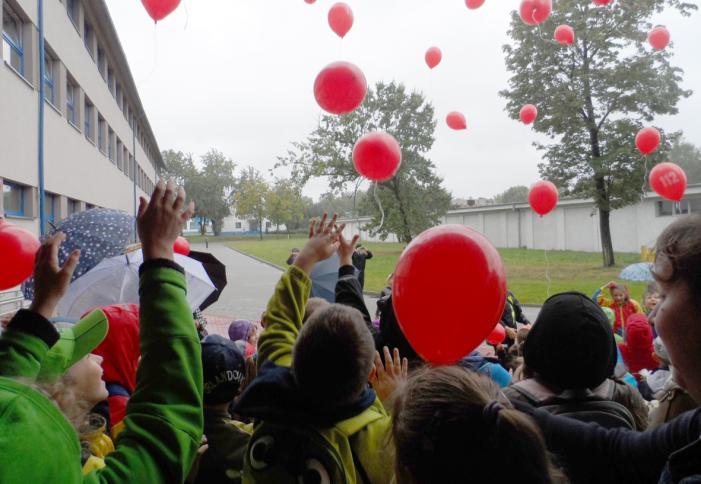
(601, 2)
(18, 249)
(497, 336)
(659, 37)
(543, 197)
(528, 114)
(669, 181)
(160, 9)
(341, 18)
(535, 12)
(647, 140)
(340, 88)
(310, 1)
(433, 57)
(377, 156)
(181, 246)
(456, 120)
(473, 4)
(564, 34)
(451, 260)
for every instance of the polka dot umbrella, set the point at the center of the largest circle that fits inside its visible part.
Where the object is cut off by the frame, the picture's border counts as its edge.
(99, 233)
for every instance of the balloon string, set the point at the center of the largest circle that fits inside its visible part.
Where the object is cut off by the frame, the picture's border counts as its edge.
(382, 212)
(187, 15)
(155, 55)
(547, 271)
(643, 190)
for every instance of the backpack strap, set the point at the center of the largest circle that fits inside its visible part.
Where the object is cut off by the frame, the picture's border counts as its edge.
(352, 426)
(359, 467)
(534, 391)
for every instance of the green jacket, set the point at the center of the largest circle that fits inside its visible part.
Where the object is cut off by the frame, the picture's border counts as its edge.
(283, 323)
(163, 426)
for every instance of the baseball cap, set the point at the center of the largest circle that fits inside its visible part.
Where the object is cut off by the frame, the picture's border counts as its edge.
(223, 368)
(75, 342)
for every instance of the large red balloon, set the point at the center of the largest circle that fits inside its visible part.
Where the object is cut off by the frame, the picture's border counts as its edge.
(181, 246)
(669, 181)
(160, 9)
(340, 88)
(456, 120)
(647, 140)
(564, 34)
(341, 18)
(18, 249)
(543, 197)
(535, 12)
(377, 156)
(453, 261)
(433, 57)
(659, 37)
(473, 4)
(528, 114)
(497, 336)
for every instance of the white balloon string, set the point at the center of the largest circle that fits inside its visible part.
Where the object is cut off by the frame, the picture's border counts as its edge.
(155, 54)
(643, 189)
(379, 205)
(547, 271)
(187, 15)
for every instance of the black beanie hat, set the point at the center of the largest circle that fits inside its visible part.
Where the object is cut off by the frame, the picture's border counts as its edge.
(571, 344)
(223, 368)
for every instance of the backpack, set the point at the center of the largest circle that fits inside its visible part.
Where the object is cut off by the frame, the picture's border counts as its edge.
(584, 405)
(292, 453)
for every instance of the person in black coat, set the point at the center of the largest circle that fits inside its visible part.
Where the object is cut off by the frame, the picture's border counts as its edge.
(360, 256)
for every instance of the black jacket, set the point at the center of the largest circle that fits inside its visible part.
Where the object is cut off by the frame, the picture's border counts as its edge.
(359, 263)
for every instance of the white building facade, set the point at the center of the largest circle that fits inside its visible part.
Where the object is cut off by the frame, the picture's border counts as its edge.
(573, 225)
(99, 149)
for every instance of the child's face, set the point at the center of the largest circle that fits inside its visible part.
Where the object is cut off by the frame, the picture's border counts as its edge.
(651, 301)
(618, 295)
(85, 379)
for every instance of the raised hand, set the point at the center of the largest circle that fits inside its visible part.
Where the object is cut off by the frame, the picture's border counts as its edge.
(50, 280)
(323, 242)
(161, 220)
(346, 249)
(388, 376)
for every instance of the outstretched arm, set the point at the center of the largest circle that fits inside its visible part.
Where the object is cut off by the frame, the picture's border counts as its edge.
(348, 290)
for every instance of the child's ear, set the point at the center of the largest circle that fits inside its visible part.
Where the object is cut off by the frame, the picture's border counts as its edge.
(373, 373)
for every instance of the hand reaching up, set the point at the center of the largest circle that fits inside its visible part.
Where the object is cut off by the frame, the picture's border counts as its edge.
(51, 280)
(346, 249)
(388, 376)
(323, 242)
(161, 220)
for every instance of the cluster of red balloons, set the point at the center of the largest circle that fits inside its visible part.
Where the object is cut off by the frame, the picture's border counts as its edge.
(160, 9)
(451, 260)
(18, 249)
(543, 197)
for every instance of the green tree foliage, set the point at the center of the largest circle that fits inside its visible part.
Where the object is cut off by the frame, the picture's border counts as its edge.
(688, 157)
(594, 96)
(516, 194)
(414, 199)
(345, 204)
(251, 197)
(285, 204)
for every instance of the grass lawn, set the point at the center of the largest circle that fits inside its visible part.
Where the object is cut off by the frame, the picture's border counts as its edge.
(526, 269)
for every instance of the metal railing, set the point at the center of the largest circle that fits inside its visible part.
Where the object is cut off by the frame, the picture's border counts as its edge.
(11, 301)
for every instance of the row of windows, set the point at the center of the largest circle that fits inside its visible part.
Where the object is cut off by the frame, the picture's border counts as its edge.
(688, 205)
(15, 203)
(16, 37)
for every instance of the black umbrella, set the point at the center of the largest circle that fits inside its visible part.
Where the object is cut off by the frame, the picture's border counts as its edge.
(216, 272)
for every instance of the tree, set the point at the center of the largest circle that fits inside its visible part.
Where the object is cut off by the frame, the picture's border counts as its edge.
(516, 194)
(215, 189)
(414, 199)
(593, 97)
(688, 157)
(285, 204)
(251, 195)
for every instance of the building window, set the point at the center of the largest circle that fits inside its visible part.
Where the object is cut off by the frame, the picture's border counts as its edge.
(110, 145)
(120, 159)
(72, 97)
(88, 37)
(12, 43)
(50, 67)
(72, 9)
(89, 120)
(89, 206)
(118, 96)
(110, 80)
(50, 207)
(101, 63)
(666, 208)
(73, 206)
(101, 129)
(13, 199)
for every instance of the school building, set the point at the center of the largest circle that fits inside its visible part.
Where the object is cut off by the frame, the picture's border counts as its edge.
(573, 225)
(94, 145)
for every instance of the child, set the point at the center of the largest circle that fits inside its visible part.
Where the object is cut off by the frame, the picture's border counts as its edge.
(245, 331)
(651, 297)
(315, 375)
(449, 426)
(620, 302)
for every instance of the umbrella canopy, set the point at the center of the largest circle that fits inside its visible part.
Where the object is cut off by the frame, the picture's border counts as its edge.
(216, 272)
(116, 281)
(642, 271)
(324, 277)
(98, 233)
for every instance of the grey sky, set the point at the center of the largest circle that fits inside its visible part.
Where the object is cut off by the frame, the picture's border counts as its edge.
(237, 75)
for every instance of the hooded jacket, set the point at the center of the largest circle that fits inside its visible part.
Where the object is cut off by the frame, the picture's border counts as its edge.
(274, 394)
(623, 311)
(637, 347)
(163, 426)
(120, 357)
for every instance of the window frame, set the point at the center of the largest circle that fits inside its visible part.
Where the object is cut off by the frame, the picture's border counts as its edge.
(88, 108)
(21, 188)
(88, 37)
(101, 134)
(73, 11)
(71, 94)
(111, 144)
(49, 80)
(16, 46)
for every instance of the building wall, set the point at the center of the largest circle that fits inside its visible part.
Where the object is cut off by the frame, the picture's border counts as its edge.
(74, 168)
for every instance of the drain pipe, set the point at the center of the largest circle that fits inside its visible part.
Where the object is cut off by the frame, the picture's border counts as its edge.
(42, 93)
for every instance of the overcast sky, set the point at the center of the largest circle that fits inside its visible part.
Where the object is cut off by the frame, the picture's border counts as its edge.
(237, 75)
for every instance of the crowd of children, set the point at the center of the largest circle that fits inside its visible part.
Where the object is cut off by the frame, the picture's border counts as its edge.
(319, 393)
